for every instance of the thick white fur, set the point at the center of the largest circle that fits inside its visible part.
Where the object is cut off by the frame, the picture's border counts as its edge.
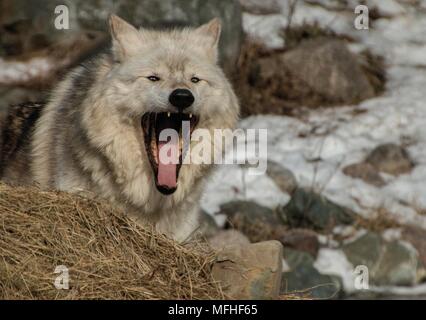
(110, 117)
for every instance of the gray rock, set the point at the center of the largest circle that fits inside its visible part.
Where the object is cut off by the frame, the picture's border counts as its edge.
(365, 250)
(366, 172)
(282, 177)
(387, 158)
(225, 238)
(390, 158)
(251, 210)
(329, 69)
(296, 258)
(250, 271)
(208, 226)
(258, 223)
(261, 7)
(302, 240)
(305, 280)
(398, 265)
(389, 263)
(92, 15)
(307, 209)
(417, 237)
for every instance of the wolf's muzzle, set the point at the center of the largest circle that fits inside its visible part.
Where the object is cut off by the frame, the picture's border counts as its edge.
(181, 98)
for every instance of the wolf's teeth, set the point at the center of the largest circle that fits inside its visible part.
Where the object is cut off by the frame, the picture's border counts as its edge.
(168, 114)
(190, 115)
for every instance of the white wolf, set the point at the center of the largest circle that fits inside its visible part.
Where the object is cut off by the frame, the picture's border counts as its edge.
(100, 130)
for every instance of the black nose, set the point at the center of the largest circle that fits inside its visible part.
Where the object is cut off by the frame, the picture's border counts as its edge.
(181, 98)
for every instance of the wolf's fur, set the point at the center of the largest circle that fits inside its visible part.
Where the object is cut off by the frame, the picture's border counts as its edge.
(89, 135)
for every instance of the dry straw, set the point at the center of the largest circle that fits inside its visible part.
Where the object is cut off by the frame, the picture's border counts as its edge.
(108, 255)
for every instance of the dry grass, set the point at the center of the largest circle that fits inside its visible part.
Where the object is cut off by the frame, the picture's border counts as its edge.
(379, 223)
(421, 211)
(296, 296)
(108, 255)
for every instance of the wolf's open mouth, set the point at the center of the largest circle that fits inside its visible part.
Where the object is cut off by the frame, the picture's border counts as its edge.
(166, 172)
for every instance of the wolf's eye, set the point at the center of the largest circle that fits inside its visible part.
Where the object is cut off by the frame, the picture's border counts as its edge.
(153, 78)
(195, 80)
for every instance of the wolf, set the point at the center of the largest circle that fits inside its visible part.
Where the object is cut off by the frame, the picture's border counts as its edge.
(99, 131)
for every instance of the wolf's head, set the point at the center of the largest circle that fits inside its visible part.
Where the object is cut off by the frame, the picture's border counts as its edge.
(154, 81)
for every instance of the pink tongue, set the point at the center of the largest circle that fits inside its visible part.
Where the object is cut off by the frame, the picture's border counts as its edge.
(167, 171)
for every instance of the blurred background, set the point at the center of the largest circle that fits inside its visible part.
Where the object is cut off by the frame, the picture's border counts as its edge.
(340, 88)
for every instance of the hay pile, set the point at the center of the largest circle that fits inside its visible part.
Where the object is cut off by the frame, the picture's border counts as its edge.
(108, 256)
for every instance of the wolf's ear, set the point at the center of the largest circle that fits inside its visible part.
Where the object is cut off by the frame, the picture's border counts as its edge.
(211, 32)
(125, 37)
